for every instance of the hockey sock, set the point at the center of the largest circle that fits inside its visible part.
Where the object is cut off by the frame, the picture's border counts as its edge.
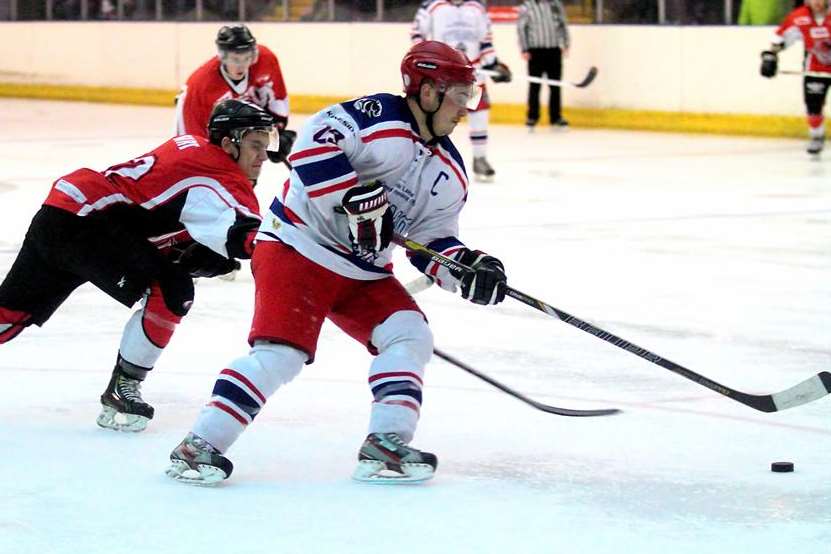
(241, 391)
(816, 122)
(405, 343)
(478, 122)
(12, 322)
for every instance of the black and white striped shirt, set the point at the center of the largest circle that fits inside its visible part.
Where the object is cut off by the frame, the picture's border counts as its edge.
(542, 24)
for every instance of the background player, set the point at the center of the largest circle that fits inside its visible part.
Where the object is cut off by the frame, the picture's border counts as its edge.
(241, 69)
(466, 26)
(141, 230)
(809, 23)
(362, 169)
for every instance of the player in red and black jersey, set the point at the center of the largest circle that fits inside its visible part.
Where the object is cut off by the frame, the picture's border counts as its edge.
(811, 24)
(241, 69)
(142, 230)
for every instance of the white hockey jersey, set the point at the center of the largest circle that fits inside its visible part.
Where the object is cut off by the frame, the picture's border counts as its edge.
(368, 139)
(465, 26)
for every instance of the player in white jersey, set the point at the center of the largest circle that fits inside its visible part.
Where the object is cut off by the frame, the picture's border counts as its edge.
(362, 170)
(466, 26)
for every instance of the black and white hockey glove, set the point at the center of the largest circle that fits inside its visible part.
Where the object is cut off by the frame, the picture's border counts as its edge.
(488, 283)
(370, 218)
(503, 72)
(200, 261)
(770, 62)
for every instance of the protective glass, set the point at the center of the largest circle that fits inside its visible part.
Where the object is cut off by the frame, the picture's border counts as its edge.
(467, 96)
(273, 136)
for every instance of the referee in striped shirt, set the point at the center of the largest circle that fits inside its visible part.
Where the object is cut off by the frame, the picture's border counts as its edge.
(543, 40)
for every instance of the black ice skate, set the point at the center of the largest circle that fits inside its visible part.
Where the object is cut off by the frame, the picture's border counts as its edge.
(123, 408)
(384, 458)
(482, 170)
(196, 462)
(815, 145)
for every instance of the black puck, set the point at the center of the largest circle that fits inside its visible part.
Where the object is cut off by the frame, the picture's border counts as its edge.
(781, 467)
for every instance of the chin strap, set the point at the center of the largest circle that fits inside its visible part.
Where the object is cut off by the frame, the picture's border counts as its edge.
(429, 118)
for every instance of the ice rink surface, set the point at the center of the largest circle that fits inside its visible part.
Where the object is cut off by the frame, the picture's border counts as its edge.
(713, 252)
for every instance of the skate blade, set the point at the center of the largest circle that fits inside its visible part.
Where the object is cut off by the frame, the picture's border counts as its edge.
(127, 423)
(377, 472)
(483, 178)
(204, 475)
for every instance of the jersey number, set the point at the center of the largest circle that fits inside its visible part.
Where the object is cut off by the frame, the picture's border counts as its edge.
(327, 135)
(134, 169)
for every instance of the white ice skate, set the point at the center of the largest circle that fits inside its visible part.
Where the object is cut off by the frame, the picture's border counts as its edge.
(384, 458)
(196, 462)
(482, 170)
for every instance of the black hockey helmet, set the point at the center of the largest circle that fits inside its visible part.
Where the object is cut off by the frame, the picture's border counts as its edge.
(235, 38)
(233, 118)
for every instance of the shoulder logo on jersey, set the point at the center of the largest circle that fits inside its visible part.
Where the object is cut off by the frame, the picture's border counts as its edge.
(328, 135)
(369, 106)
(819, 32)
(802, 20)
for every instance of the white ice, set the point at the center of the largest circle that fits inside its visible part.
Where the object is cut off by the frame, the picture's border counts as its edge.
(712, 252)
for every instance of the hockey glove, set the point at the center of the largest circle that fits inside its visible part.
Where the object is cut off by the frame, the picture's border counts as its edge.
(370, 218)
(770, 62)
(287, 138)
(200, 261)
(503, 72)
(177, 289)
(487, 284)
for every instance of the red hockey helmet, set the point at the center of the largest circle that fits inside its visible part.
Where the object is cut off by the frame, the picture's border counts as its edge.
(437, 61)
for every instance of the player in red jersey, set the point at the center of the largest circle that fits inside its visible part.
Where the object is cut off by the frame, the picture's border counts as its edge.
(242, 69)
(811, 24)
(142, 230)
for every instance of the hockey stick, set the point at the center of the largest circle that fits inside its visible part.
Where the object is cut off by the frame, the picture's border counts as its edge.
(424, 283)
(806, 73)
(519, 396)
(807, 391)
(587, 80)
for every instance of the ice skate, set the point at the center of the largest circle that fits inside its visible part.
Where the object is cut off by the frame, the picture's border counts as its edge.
(482, 170)
(815, 145)
(123, 408)
(196, 462)
(559, 124)
(384, 458)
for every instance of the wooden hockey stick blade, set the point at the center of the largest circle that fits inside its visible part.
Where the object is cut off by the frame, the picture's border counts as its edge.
(519, 396)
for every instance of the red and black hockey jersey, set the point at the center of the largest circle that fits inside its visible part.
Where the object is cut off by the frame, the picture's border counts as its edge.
(185, 189)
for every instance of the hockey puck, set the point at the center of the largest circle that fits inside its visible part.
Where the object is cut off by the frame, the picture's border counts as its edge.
(781, 467)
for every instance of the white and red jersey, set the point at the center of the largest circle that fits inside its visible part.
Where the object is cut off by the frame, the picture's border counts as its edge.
(814, 32)
(374, 138)
(263, 85)
(186, 189)
(465, 26)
